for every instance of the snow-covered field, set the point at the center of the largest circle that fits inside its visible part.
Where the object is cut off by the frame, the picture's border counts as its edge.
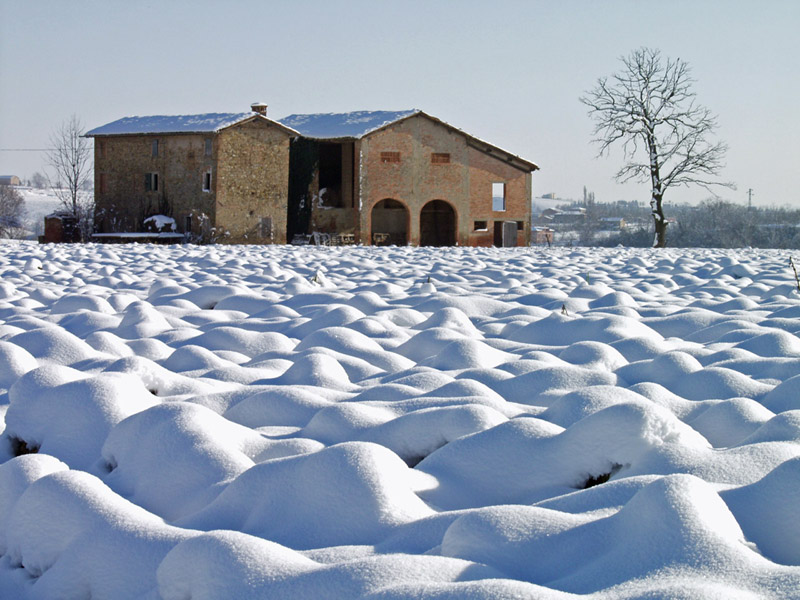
(38, 204)
(384, 423)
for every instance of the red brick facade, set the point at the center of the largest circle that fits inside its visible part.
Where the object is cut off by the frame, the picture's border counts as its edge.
(420, 160)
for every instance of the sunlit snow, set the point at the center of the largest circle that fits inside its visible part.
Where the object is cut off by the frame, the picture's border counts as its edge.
(381, 423)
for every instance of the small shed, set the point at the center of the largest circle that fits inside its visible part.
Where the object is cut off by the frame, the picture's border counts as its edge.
(61, 227)
(10, 180)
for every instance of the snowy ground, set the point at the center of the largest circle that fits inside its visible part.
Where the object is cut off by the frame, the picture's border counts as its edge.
(383, 423)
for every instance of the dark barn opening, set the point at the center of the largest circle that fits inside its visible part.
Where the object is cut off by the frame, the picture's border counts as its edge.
(437, 224)
(330, 175)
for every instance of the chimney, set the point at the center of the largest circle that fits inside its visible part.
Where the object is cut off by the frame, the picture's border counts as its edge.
(260, 108)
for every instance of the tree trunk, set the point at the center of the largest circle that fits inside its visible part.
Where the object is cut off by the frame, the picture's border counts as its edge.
(660, 222)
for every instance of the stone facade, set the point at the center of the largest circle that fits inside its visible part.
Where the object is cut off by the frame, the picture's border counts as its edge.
(228, 185)
(252, 178)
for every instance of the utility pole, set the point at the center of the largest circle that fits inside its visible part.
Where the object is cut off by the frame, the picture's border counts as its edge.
(750, 199)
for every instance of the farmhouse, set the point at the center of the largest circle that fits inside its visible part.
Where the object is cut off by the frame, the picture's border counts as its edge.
(371, 177)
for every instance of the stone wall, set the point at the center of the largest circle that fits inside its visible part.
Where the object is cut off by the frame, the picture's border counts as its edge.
(121, 165)
(252, 183)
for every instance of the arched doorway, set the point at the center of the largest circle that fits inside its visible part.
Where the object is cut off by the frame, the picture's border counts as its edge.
(437, 224)
(389, 223)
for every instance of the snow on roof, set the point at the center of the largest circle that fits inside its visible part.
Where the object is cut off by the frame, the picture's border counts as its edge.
(341, 125)
(205, 123)
(319, 125)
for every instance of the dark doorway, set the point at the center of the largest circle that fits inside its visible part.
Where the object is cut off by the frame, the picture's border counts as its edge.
(389, 223)
(437, 224)
(330, 175)
(505, 234)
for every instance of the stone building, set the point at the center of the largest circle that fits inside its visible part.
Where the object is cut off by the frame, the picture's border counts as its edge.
(215, 174)
(372, 177)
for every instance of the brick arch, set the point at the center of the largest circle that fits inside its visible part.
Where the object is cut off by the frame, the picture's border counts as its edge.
(438, 224)
(389, 217)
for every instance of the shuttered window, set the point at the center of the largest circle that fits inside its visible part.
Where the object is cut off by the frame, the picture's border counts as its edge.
(151, 182)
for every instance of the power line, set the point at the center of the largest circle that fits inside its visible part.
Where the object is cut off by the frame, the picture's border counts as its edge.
(25, 149)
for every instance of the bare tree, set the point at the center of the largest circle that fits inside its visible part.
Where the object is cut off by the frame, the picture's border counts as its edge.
(650, 109)
(12, 211)
(38, 180)
(70, 157)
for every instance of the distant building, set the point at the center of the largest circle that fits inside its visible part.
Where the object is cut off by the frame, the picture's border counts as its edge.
(542, 235)
(555, 217)
(10, 180)
(612, 223)
(366, 177)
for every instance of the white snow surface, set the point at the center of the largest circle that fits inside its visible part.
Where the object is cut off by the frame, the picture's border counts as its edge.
(337, 125)
(204, 123)
(377, 423)
(319, 125)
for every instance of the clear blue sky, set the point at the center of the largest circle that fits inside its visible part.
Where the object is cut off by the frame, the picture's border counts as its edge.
(507, 71)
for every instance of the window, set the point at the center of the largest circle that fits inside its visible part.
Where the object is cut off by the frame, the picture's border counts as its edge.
(440, 158)
(207, 181)
(520, 225)
(208, 147)
(187, 224)
(481, 226)
(102, 148)
(151, 182)
(155, 148)
(498, 196)
(390, 157)
(101, 183)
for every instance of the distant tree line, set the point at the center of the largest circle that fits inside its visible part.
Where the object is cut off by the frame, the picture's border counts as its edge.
(714, 223)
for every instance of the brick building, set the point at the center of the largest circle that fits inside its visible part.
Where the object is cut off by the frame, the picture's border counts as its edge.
(373, 177)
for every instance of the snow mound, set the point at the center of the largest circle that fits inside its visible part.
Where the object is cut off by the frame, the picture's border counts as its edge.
(469, 474)
(140, 453)
(15, 361)
(68, 531)
(676, 521)
(42, 413)
(351, 493)
(227, 564)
